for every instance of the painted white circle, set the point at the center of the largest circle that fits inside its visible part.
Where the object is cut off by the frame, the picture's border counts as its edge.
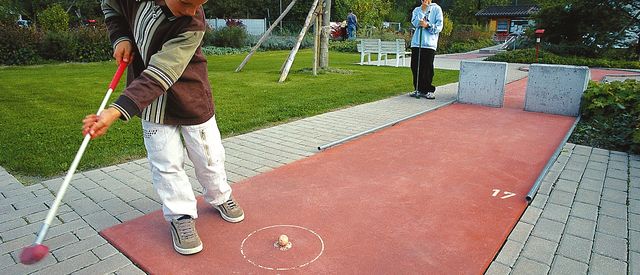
(281, 268)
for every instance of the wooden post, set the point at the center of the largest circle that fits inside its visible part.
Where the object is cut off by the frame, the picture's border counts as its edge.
(292, 54)
(264, 36)
(316, 40)
(325, 34)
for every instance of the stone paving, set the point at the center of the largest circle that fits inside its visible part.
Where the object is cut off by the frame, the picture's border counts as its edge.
(585, 218)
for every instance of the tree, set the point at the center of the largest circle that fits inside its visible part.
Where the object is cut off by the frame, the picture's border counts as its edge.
(464, 11)
(369, 12)
(592, 24)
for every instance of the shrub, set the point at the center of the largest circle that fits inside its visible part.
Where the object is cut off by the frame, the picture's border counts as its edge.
(54, 19)
(529, 56)
(19, 46)
(234, 37)
(211, 50)
(284, 42)
(610, 116)
(92, 44)
(59, 46)
(349, 46)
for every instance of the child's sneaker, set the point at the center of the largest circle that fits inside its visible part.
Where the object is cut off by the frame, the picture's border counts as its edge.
(230, 211)
(185, 237)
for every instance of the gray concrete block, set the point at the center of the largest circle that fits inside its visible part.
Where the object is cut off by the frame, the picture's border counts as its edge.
(571, 175)
(610, 246)
(61, 241)
(556, 212)
(129, 215)
(634, 263)
(605, 265)
(612, 226)
(521, 232)
(70, 265)
(27, 269)
(561, 197)
(597, 161)
(100, 220)
(575, 248)
(539, 249)
(540, 201)
(634, 205)
(556, 89)
(619, 156)
(6, 260)
(16, 244)
(581, 227)
(84, 206)
(588, 196)
(482, 83)
(548, 229)
(98, 194)
(145, 205)
(614, 195)
(634, 221)
(531, 215)
(78, 248)
(634, 241)
(115, 206)
(85, 232)
(131, 270)
(585, 211)
(105, 251)
(566, 185)
(565, 266)
(614, 209)
(614, 183)
(530, 267)
(509, 253)
(109, 265)
(592, 184)
(497, 268)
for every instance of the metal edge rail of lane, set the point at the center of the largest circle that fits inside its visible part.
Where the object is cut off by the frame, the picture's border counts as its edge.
(536, 185)
(331, 144)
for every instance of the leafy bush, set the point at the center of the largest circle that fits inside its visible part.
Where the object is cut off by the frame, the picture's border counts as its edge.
(59, 46)
(19, 46)
(54, 19)
(234, 37)
(212, 50)
(349, 46)
(529, 56)
(281, 42)
(92, 44)
(610, 116)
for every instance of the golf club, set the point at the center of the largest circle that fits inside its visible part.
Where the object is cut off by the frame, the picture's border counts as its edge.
(37, 251)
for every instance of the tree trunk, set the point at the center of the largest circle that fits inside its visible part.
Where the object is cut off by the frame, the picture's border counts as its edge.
(264, 36)
(324, 35)
(292, 55)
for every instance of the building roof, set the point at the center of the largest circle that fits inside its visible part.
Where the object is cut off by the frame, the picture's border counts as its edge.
(508, 11)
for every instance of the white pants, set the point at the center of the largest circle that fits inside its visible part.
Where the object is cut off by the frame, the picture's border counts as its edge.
(165, 151)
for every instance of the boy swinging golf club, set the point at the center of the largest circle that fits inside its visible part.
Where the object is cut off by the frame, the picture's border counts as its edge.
(426, 18)
(168, 87)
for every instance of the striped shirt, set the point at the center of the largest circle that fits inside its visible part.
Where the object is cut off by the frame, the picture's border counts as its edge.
(167, 82)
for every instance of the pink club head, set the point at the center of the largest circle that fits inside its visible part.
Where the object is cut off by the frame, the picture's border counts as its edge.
(33, 254)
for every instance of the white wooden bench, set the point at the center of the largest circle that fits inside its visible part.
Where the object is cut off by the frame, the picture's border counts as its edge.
(382, 49)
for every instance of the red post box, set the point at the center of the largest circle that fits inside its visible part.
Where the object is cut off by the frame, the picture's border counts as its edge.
(539, 33)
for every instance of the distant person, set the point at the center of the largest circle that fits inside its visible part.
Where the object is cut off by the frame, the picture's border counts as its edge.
(352, 25)
(427, 19)
(168, 88)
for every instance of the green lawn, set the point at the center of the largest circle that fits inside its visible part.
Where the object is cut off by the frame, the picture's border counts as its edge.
(41, 107)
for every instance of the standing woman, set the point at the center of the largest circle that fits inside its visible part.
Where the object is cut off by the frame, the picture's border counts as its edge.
(427, 19)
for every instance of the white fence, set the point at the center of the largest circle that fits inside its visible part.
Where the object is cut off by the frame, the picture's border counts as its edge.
(253, 26)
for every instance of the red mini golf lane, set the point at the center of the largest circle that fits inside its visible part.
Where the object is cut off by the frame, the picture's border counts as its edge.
(438, 194)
